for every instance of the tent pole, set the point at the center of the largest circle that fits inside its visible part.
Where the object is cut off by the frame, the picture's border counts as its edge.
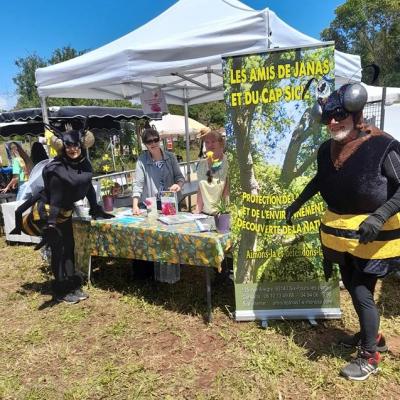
(186, 107)
(112, 152)
(383, 102)
(45, 115)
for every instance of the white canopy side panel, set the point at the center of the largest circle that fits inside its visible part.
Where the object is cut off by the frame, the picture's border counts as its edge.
(375, 94)
(392, 120)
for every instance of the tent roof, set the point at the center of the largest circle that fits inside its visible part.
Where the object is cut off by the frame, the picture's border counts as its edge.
(21, 128)
(29, 120)
(174, 125)
(179, 51)
(70, 112)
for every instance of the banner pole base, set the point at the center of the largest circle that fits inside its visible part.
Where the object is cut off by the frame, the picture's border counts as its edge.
(312, 321)
(264, 323)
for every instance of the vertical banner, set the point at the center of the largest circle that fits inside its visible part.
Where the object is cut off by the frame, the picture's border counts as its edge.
(272, 144)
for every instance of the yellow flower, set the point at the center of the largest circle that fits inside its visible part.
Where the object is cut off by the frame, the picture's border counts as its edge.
(106, 157)
(106, 186)
(210, 154)
(106, 168)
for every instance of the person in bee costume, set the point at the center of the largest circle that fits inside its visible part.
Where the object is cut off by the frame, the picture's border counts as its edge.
(67, 179)
(358, 176)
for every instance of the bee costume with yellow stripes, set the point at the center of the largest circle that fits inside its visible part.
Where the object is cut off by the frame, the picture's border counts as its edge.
(35, 220)
(66, 180)
(358, 176)
(352, 193)
(357, 192)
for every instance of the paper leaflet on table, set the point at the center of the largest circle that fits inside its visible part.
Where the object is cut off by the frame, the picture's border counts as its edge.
(181, 218)
(126, 212)
(123, 219)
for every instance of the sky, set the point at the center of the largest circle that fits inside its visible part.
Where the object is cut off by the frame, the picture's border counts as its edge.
(41, 26)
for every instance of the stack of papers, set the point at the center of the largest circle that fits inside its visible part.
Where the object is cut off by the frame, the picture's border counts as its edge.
(123, 216)
(180, 218)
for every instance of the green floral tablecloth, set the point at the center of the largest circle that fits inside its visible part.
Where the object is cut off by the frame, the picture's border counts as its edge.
(147, 238)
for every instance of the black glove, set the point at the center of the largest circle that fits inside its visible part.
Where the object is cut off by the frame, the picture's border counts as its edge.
(328, 269)
(40, 244)
(18, 224)
(293, 208)
(370, 228)
(98, 212)
(50, 236)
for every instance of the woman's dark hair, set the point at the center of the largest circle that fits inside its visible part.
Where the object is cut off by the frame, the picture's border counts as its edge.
(209, 176)
(38, 153)
(149, 133)
(24, 156)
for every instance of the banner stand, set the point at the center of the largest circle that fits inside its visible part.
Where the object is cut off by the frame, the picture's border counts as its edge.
(305, 313)
(273, 144)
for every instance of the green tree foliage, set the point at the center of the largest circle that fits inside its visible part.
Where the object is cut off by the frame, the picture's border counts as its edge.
(211, 114)
(25, 81)
(370, 28)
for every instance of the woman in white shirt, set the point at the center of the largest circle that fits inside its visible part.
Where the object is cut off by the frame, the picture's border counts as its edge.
(212, 173)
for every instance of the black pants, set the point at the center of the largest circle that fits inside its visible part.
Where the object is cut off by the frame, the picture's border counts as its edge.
(361, 287)
(62, 259)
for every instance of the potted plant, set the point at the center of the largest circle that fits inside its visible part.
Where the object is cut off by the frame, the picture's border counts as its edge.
(222, 216)
(107, 186)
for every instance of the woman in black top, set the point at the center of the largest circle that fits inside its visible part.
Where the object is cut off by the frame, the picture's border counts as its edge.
(67, 179)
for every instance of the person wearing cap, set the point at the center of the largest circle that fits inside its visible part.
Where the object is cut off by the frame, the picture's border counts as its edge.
(67, 179)
(358, 176)
(212, 173)
(156, 171)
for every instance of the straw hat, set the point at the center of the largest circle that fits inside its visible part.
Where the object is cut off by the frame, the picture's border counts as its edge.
(203, 132)
(220, 132)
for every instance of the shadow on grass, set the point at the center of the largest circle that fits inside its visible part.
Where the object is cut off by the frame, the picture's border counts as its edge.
(388, 301)
(322, 339)
(187, 296)
(318, 341)
(44, 288)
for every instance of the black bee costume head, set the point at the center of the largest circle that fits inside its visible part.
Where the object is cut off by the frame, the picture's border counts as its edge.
(348, 99)
(80, 137)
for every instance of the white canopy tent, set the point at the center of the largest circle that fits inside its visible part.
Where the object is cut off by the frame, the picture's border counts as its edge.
(174, 125)
(375, 93)
(179, 51)
(389, 108)
(392, 120)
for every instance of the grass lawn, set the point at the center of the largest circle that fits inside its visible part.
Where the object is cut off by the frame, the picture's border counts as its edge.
(146, 340)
